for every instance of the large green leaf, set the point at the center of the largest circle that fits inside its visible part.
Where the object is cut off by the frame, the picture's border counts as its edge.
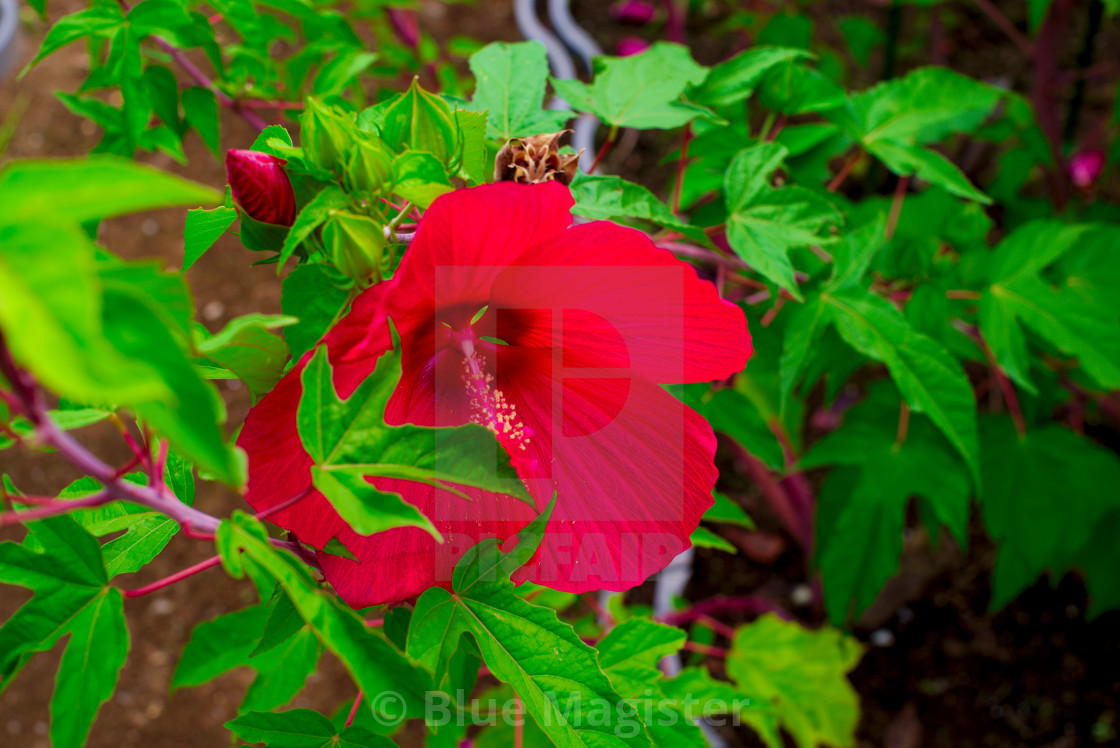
(512, 634)
(247, 348)
(511, 81)
(202, 229)
(375, 665)
(641, 91)
(349, 439)
(896, 119)
(859, 530)
(736, 79)
(316, 294)
(229, 641)
(610, 197)
(1047, 494)
(71, 596)
(797, 679)
(77, 190)
(764, 223)
(1072, 322)
(931, 381)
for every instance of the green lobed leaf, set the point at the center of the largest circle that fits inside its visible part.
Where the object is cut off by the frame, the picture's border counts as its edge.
(609, 197)
(1019, 297)
(316, 294)
(642, 91)
(510, 84)
(302, 728)
(797, 679)
(764, 223)
(1048, 492)
(736, 79)
(349, 439)
(371, 660)
(247, 348)
(202, 229)
(71, 596)
(511, 634)
(931, 381)
(230, 641)
(860, 527)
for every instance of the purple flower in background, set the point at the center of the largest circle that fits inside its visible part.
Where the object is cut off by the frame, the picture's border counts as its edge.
(260, 186)
(634, 12)
(1086, 166)
(631, 45)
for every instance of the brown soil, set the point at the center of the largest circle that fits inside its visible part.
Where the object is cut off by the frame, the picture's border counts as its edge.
(942, 671)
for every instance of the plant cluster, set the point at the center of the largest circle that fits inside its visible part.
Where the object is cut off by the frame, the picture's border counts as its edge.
(935, 343)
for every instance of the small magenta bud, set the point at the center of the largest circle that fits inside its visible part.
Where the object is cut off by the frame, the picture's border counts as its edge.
(261, 187)
(405, 26)
(634, 12)
(1086, 166)
(631, 45)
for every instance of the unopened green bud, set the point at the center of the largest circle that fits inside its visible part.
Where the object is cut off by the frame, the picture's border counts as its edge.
(325, 135)
(371, 167)
(355, 243)
(422, 121)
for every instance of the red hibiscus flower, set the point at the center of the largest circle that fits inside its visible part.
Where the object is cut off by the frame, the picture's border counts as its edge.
(556, 337)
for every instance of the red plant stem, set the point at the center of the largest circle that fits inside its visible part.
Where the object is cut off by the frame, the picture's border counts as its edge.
(845, 170)
(1045, 89)
(54, 508)
(160, 464)
(263, 104)
(202, 78)
(375, 622)
(675, 21)
(1005, 385)
(190, 571)
(751, 605)
(354, 709)
(699, 253)
(706, 650)
(776, 498)
(611, 137)
(123, 469)
(682, 165)
(896, 205)
(964, 294)
(719, 627)
(1005, 25)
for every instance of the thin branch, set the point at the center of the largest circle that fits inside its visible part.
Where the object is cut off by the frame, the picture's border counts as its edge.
(1005, 25)
(190, 571)
(354, 709)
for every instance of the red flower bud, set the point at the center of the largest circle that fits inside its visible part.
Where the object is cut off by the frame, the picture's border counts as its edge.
(260, 186)
(635, 12)
(405, 26)
(631, 45)
(1086, 166)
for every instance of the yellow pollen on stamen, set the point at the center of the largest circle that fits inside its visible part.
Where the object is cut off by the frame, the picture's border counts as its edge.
(489, 407)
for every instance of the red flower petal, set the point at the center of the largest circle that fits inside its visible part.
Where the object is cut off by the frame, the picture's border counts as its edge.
(673, 326)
